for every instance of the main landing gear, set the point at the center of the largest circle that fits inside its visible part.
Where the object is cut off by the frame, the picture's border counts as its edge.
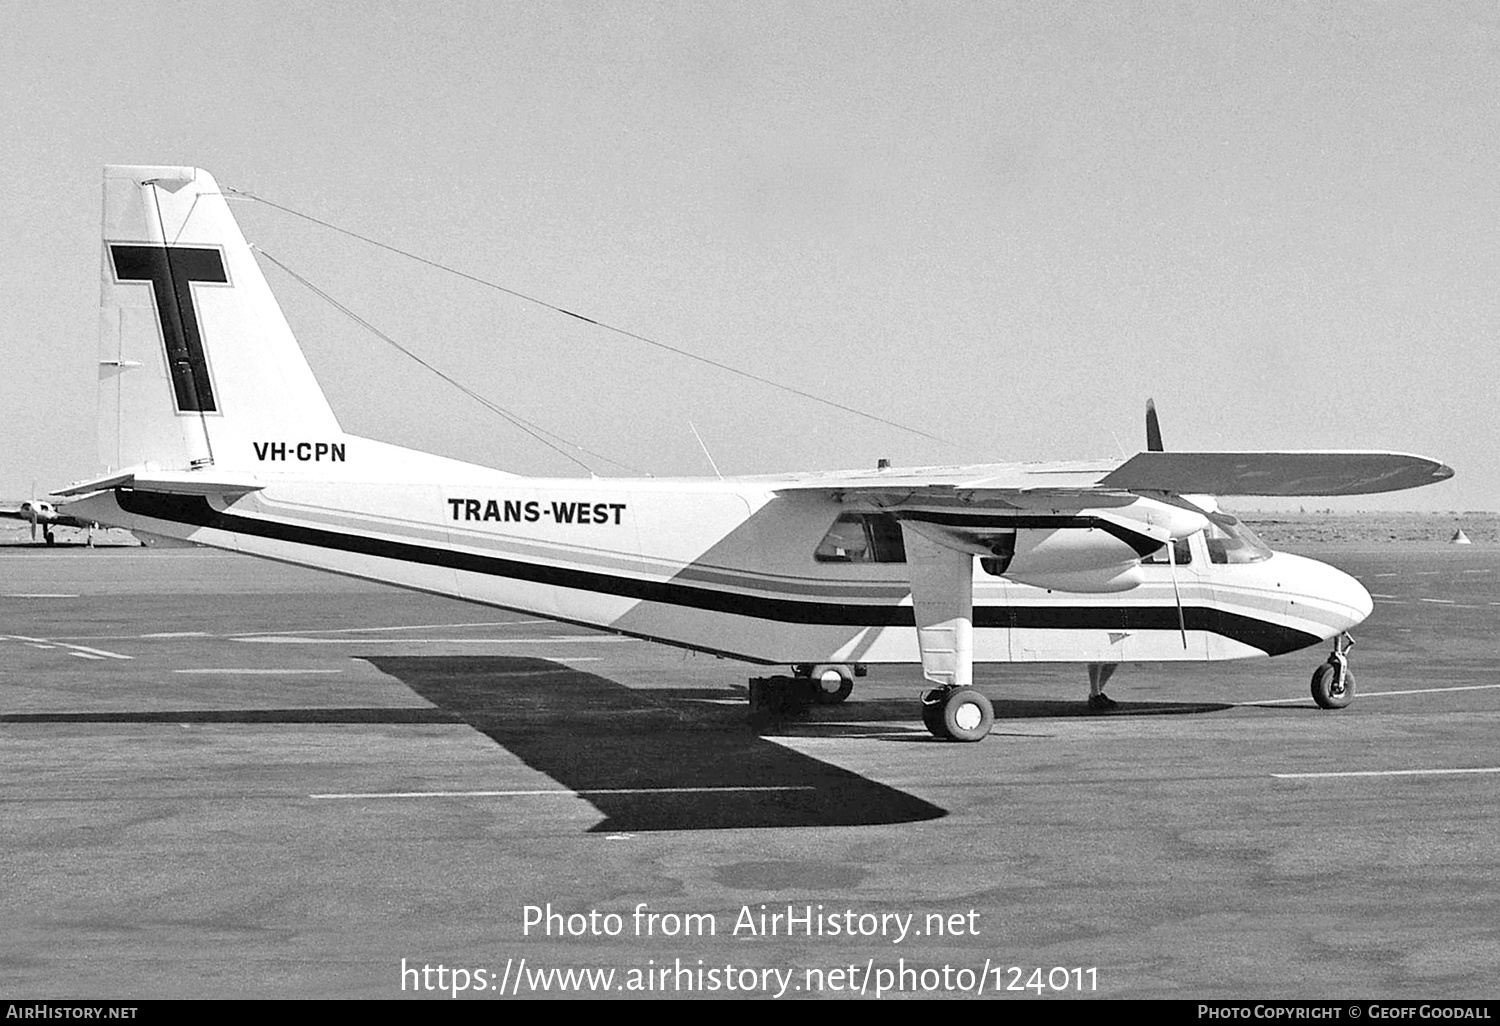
(957, 713)
(1333, 682)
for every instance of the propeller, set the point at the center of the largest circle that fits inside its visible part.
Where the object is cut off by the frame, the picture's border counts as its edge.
(29, 509)
(1153, 444)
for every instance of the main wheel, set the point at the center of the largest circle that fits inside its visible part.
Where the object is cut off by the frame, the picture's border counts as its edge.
(967, 715)
(1328, 690)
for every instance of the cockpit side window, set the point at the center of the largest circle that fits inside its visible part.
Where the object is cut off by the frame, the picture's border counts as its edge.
(862, 538)
(1182, 554)
(1230, 541)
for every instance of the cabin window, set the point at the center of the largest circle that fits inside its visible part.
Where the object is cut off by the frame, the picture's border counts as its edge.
(1182, 554)
(1230, 541)
(862, 538)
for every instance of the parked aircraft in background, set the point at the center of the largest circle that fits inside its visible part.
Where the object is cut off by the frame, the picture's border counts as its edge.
(44, 515)
(220, 435)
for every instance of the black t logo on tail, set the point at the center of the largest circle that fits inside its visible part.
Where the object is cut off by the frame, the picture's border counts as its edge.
(171, 270)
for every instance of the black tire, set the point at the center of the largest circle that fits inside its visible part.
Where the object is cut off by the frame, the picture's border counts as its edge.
(932, 713)
(1324, 692)
(51, 539)
(967, 715)
(823, 696)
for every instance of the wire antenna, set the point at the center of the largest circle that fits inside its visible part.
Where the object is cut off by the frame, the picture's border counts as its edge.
(536, 431)
(587, 320)
(710, 455)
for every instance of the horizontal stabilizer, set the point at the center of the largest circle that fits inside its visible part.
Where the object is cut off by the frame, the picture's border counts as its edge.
(173, 482)
(1275, 473)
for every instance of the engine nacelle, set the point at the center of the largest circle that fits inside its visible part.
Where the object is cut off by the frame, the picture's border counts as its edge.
(1091, 549)
(1095, 548)
(1103, 579)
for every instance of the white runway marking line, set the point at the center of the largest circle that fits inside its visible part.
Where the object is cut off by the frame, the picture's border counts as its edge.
(98, 653)
(39, 594)
(253, 670)
(101, 653)
(565, 792)
(1387, 773)
(1377, 694)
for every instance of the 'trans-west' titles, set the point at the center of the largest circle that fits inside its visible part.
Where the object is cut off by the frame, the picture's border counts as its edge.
(750, 921)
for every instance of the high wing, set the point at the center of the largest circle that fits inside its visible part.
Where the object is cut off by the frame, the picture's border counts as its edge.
(68, 520)
(1309, 473)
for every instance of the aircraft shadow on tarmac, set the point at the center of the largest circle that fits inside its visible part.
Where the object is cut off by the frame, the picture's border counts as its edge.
(648, 760)
(657, 759)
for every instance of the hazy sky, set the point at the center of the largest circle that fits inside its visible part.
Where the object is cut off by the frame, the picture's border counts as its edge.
(1006, 224)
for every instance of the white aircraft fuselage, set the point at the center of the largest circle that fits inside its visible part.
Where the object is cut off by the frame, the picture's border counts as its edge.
(726, 566)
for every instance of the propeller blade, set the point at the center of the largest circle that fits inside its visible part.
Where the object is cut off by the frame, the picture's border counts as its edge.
(1153, 428)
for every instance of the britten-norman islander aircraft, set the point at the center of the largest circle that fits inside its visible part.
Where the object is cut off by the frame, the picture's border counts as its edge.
(220, 435)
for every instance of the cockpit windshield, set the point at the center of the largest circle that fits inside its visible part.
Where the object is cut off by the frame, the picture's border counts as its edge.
(1230, 541)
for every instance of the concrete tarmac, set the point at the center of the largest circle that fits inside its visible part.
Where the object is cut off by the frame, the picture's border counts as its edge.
(229, 778)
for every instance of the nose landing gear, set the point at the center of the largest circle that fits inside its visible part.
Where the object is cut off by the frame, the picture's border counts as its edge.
(831, 682)
(1333, 682)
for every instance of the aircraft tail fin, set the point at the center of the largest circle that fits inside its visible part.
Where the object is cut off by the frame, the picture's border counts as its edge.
(197, 365)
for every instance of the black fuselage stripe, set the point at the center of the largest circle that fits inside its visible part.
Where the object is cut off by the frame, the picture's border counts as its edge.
(1271, 638)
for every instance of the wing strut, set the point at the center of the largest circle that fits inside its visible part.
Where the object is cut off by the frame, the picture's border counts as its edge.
(942, 597)
(1176, 592)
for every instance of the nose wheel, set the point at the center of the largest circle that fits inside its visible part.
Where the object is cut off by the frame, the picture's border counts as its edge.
(1333, 682)
(831, 682)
